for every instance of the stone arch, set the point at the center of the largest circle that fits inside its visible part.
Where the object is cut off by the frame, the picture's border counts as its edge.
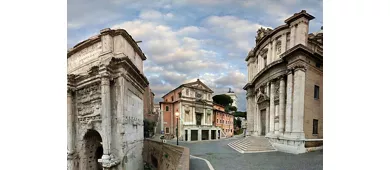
(92, 150)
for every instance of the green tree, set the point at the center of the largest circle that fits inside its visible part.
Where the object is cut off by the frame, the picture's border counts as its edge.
(237, 123)
(223, 100)
(240, 114)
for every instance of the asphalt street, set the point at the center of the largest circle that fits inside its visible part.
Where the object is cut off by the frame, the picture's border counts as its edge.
(222, 157)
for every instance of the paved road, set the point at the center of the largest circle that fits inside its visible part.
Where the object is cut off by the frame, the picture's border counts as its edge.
(222, 157)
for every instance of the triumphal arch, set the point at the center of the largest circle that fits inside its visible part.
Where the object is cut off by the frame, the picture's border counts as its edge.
(105, 104)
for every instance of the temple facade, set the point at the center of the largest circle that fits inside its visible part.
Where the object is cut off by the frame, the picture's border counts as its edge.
(106, 84)
(194, 104)
(285, 85)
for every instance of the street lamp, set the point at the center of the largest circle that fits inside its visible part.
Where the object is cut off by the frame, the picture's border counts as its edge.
(177, 127)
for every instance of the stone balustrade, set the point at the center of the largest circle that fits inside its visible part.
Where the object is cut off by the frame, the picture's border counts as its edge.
(165, 156)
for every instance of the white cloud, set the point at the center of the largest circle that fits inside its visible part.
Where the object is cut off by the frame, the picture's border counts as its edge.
(239, 33)
(150, 15)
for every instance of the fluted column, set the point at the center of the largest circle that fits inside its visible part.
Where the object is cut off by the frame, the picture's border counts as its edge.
(289, 101)
(282, 104)
(272, 108)
(298, 103)
(106, 117)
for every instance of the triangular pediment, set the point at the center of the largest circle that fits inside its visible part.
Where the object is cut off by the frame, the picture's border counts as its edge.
(198, 85)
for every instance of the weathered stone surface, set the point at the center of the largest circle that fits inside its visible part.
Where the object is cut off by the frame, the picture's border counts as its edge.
(105, 105)
(291, 66)
(165, 156)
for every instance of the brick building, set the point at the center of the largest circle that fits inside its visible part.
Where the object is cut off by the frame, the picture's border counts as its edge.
(223, 120)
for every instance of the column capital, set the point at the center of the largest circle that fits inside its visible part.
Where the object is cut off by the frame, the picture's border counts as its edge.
(281, 77)
(70, 90)
(105, 78)
(300, 67)
(289, 71)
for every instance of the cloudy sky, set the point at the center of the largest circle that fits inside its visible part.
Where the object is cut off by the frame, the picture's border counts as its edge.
(187, 39)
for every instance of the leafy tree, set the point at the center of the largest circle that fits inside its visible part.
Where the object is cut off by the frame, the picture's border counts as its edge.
(240, 114)
(148, 127)
(223, 100)
(233, 108)
(237, 123)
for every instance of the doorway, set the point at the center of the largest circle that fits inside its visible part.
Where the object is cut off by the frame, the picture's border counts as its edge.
(262, 119)
(205, 135)
(194, 135)
(93, 150)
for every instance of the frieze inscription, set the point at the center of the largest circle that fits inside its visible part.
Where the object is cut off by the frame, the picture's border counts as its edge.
(84, 56)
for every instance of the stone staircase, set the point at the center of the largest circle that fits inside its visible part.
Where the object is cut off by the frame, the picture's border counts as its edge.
(252, 144)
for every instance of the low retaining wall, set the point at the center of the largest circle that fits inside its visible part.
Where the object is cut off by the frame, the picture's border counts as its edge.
(165, 156)
(295, 146)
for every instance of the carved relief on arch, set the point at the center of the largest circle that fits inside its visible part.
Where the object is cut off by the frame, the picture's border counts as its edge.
(88, 103)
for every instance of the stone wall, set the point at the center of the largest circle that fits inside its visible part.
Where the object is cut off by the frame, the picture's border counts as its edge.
(164, 156)
(313, 107)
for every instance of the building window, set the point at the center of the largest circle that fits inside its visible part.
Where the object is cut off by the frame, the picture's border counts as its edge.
(187, 92)
(315, 126)
(171, 98)
(166, 108)
(265, 61)
(318, 65)
(180, 95)
(316, 92)
(166, 130)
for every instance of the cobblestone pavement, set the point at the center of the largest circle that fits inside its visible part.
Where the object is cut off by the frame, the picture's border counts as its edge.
(222, 157)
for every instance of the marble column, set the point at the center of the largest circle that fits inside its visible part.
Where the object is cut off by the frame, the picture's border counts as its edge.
(260, 129)
(256, 120)
(292, 36)
(289, 102)
(282, 106)
(267, 120)
(199, 134)
(189, 134)
(70, 130)
(193, 116)
(106, 117)
(276, 115)
(209, 134)
(298, 103)
(70, 124)
(272, 108)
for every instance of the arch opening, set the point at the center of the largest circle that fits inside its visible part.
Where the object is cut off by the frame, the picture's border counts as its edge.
(93, 150)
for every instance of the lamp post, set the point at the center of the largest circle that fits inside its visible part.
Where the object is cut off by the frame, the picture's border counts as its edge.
(177, 127)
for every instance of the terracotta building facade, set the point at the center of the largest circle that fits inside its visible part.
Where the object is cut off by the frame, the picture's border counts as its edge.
(194, 104)
(223, 120)
(285, 85)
